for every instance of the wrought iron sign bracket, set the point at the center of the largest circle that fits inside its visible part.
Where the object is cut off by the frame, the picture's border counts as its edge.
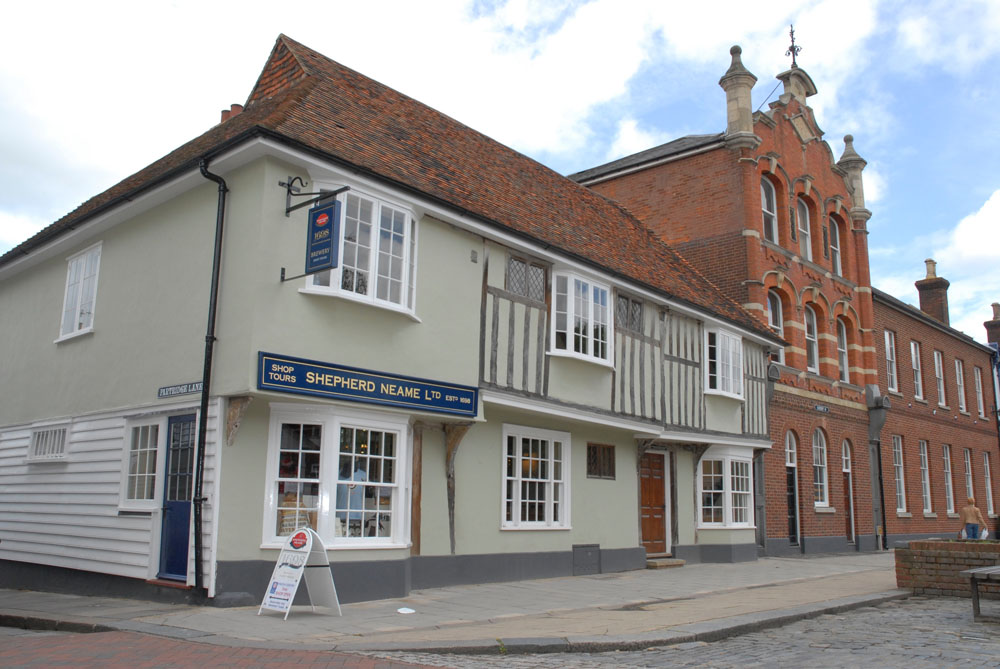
(291, 190)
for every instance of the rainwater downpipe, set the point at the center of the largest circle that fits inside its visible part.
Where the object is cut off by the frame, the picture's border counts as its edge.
(206, 378)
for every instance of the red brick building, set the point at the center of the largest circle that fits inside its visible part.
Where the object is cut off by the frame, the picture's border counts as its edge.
(939, 443)
(768, 214)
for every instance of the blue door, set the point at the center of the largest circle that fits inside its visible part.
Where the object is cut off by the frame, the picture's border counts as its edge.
(177, 488)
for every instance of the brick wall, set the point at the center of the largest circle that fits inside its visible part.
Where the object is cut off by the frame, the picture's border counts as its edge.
(933, 567)
(913, 419)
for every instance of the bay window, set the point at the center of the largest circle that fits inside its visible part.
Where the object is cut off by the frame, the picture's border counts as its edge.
(725, 490)
(377, 254)
(724, 354)
(341, 474)
(582, 318)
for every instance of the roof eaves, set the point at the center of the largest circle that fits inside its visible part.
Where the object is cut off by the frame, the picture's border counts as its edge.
(914, 312)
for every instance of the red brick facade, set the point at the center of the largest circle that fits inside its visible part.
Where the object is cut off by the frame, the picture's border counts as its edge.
(922, 420)
(708, 196)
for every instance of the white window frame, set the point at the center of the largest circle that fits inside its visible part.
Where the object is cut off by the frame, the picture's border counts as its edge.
(918, 376)
(330, 282)
(579, 298)
(80, 295)
(49, 442)
(736, 487)
(960, 383)
(843, 359)
(980, 405)
(791, 449)
(949, 492)
(332, 419)
(775, 319)
(988, 479)
(969, 487)
(835, 246)
(770, 216)
(812, 340)
(939, 374)
(723, 363)
(892, 379)
(805, 236)
(556, 479)
(845, 457)
(821, 478)
(925, 478)
(158, 461)
(899, 473)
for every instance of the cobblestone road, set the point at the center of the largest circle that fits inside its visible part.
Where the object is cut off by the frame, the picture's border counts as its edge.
(912, 633)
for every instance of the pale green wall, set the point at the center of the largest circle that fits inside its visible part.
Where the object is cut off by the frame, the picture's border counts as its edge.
(602, 511)
(687, 505)
(443, 345)
(149, 318)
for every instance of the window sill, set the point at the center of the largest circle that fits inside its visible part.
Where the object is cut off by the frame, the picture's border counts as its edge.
(824, 509)
(953, 515)
(903, 514)
(964, 412)
(142, 513)
(945, 407)
(930, 514)
(722, 393)
(559, 353)
(921, 400)
(349, 297)
(894, 391)
(74, 335)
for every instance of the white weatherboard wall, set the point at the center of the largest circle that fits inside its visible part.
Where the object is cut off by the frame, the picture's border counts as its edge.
(65, 513)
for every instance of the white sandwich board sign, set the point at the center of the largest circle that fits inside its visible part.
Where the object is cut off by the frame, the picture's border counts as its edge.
(302, 554)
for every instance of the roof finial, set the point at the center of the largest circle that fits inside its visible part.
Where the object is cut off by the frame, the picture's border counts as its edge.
(793, 50)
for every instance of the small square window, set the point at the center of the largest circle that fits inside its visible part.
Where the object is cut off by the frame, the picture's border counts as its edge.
(601, 461)
(628, 314)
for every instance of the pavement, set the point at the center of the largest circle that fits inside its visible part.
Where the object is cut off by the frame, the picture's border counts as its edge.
(623, 611)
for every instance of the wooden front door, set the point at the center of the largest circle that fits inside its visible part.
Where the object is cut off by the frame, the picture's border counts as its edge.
(655, 516)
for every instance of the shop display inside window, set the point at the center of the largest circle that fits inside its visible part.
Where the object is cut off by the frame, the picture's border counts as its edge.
(366, 480)
(298, 477)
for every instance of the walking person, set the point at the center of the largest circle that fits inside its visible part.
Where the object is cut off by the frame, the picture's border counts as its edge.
(972, 519)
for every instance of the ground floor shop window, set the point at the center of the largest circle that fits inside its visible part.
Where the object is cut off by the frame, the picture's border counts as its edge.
(535, 479)
(340, 474)
(724, 490)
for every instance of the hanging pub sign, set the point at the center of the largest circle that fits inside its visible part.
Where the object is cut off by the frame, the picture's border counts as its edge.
(322, 242)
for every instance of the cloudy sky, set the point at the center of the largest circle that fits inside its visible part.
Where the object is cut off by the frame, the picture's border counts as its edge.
(91, 92)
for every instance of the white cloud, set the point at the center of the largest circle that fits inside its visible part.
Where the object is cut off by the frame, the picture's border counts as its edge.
(874, 184)
(956, 36)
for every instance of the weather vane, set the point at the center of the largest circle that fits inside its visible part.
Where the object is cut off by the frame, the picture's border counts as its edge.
(793, 50)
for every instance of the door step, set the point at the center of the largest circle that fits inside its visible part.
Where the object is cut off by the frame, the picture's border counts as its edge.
(663, 563)
(167, 583)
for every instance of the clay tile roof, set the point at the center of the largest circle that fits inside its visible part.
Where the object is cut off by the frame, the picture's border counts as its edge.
(316, 104)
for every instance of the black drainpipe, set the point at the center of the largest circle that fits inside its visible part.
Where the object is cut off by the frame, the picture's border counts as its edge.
(206, 378)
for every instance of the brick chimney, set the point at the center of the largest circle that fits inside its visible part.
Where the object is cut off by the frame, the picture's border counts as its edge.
(231, 112)
(993, 326)
(933, 291)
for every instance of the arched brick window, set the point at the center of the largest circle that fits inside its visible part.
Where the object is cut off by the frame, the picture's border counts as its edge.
(769, 210)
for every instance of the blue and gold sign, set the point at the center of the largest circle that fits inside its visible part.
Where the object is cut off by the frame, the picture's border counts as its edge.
(320, 379)
(322, 243)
